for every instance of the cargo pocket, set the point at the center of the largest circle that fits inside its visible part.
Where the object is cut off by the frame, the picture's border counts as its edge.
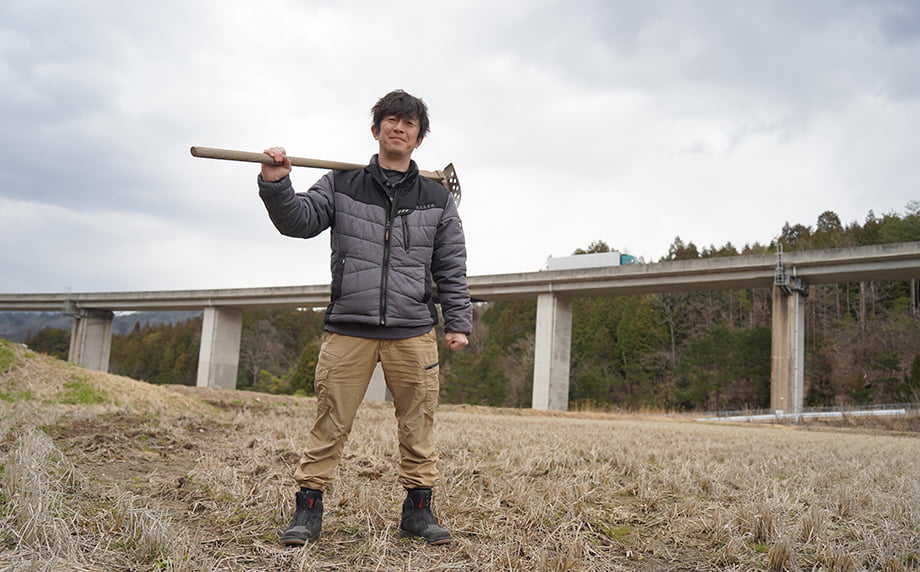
(324, 365)
(431, 380)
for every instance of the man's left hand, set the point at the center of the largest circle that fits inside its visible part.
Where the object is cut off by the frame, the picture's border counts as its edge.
(456, 340)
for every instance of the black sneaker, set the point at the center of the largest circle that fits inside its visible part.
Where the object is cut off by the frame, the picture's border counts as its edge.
(308, 518)
(418, 521)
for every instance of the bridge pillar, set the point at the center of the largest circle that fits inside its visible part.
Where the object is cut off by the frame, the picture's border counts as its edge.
(377, 389)
(219, 355)
(91, 339)
(787, 386)
(552, 353)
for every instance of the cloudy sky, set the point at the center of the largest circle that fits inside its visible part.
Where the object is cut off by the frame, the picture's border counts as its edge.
(568, 122)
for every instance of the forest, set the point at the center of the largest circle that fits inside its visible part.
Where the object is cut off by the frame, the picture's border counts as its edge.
(690, 351)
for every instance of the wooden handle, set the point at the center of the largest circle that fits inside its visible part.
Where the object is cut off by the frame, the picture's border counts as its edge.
(249, 157)
(447, 177)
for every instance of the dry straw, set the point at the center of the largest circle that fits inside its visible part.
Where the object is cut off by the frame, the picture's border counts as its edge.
(141, 477)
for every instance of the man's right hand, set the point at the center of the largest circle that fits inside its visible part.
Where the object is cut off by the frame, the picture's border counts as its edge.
(281, 168)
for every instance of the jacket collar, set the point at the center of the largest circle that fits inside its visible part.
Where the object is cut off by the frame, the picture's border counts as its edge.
(373, 167)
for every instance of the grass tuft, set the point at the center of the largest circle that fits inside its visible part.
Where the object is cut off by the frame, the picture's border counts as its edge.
(36, 477)
(779, 557)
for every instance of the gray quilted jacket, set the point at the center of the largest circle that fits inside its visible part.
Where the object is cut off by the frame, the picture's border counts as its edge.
(386, 253)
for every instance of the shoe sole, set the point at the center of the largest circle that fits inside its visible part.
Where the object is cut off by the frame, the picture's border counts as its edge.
(295, 541)
(438, 542)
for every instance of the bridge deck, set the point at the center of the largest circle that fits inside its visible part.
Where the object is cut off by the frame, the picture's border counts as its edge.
(897, 261)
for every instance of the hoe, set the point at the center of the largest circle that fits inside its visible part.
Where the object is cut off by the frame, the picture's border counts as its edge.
(447, 176)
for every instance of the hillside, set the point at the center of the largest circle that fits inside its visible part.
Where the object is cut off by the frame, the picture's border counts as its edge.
(101, 472)
(17, 326)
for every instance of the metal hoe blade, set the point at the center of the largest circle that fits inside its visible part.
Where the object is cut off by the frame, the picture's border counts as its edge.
(448, 178)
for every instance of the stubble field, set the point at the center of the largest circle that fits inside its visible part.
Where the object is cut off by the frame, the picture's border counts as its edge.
(101, 472)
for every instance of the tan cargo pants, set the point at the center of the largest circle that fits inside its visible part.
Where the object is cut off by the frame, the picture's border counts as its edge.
(344, 369)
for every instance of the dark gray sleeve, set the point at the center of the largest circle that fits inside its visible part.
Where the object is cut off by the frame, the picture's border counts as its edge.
(301, 215)
(448, 268)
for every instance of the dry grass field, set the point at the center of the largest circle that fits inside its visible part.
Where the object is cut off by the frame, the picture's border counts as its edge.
(101, 472)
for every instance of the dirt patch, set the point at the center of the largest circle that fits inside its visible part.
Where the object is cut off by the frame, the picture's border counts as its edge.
(120, 448)
(236, 399)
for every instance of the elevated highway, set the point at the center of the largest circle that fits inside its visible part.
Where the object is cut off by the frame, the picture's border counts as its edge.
(897, 261)
(788, 275)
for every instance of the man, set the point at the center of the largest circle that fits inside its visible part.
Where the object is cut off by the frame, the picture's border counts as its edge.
(393, 233)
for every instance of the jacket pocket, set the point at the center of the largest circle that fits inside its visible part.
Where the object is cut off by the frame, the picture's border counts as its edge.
(406, 242)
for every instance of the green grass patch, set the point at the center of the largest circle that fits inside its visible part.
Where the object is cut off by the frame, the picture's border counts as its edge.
(7, 357)
(759, 547)
(13, 397)
(79, 392)
(620, 533)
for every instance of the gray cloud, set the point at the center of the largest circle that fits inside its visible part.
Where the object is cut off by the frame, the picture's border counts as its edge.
(568, 122)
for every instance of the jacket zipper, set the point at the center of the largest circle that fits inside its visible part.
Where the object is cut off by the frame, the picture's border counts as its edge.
(384, 272)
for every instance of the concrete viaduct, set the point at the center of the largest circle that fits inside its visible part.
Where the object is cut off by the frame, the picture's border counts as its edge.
(789, 276)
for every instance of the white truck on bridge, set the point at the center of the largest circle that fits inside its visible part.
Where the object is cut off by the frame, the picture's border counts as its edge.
(592, 260)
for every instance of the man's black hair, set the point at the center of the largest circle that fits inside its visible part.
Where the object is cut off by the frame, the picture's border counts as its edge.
(404, 106)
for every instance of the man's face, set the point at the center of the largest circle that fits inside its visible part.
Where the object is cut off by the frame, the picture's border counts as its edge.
(397, 135)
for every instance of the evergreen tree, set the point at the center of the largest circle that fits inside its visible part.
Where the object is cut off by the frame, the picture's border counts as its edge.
(52, 341)
(303, 377)
(820, 392)
(909, 391)
(476, 378)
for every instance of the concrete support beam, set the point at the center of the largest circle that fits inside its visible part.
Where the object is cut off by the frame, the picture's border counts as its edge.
(219, 356)
(552, 353)
(377, 389)
(787, 386)
(91, 339)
